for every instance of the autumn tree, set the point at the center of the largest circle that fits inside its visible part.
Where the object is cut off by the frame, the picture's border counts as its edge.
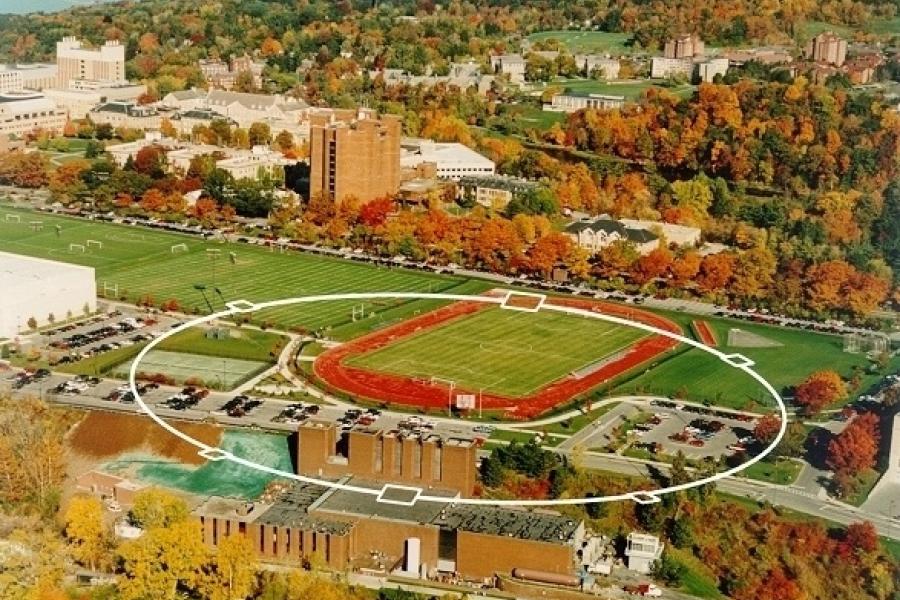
(716, 271)
(819, 390)
(161, 561)
(767, 429)
(85, 532)
(855, 449)
(230, 574)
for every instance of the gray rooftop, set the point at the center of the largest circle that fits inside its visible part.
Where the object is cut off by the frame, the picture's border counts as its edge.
(507, 522)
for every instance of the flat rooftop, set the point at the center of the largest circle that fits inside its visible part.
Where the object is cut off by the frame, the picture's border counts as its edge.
(16, 269)
(353, 504)
(539, 526)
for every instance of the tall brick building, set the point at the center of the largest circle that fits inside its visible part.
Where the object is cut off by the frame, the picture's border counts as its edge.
(354, 154)
(426, 460)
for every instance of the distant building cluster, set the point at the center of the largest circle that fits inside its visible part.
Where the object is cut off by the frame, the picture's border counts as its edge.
(224, 75)
(462, 75)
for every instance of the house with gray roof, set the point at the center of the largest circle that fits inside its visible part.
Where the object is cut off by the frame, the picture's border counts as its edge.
(595, 234)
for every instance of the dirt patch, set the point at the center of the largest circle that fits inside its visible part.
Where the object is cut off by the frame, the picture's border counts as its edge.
(738, 338)
(108, 435)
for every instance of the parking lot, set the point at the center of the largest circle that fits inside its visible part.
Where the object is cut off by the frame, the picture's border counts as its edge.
(101, 333)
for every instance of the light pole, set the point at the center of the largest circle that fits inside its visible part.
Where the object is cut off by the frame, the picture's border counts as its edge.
(450, 399)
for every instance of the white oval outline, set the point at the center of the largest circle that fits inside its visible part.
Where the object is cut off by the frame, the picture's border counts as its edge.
(641, 496)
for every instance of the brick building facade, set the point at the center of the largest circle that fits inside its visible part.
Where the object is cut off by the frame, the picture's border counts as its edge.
(429, 461)
(354, 154)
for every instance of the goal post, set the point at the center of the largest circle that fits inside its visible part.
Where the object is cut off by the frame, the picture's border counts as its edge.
(179, 248)
(76, 247)
(110, 290)
(10, 218)
(94, 244)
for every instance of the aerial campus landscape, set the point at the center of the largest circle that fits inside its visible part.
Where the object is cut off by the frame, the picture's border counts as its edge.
(403, 300)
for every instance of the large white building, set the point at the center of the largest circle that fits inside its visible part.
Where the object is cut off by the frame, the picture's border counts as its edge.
(37, 288)
(452, 160)
(25, 112)
(74, 62)
(33, 76)
(573, 102)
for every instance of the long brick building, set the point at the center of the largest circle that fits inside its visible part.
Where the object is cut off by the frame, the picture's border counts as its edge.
(346, 530)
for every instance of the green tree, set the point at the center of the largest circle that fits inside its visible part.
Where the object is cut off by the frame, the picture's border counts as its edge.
(154, 507)
(668, 570)
(491, 472)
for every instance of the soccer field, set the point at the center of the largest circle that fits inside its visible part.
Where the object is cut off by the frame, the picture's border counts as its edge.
(138, 262)
(505, 352)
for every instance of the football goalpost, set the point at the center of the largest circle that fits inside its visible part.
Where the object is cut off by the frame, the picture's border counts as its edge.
(78, 247)
(10, 218)
(451, 385)
(179, 248)
(36, 225)
(110, 290)
(874, 343)
(94, 244)
(357, 312)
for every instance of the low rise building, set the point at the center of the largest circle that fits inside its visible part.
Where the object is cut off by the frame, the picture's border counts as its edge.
(590, 64)
(108, 487)
(861, 69)
(25, 112)
(126, 113)
(222, 75)
(452, 160)
(462, 75)
(32, 76)
(80, 100)
(573, 101)
(641, 551)
(493, 192)
(679, 235)
(353, 531)
(663, 67)
(251, 165)
(708, 69)
(596, 234)
(121, 153)
(511, 65)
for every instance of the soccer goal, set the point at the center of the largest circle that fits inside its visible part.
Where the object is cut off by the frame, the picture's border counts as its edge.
(213, 252)
(36, 225)
(77, 248)
(357, 312)
(13, 218)
(94, 244)
(179, 248)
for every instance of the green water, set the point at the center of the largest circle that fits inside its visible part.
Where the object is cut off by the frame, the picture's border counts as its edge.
(222, 478)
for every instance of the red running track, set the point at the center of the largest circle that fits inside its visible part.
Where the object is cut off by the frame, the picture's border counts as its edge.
(705, 333)
(396, 389)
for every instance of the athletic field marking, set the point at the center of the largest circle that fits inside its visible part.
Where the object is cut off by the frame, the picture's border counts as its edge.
(739, 362)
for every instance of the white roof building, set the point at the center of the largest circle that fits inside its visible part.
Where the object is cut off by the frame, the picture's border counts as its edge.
(452, 160)
(25, 112)
(31, 76)
(42, 288)
(642, 550)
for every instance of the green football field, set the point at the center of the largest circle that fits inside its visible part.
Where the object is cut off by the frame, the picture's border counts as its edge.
(138, 261)
(507, 352)
(590, 42)
(698, 376)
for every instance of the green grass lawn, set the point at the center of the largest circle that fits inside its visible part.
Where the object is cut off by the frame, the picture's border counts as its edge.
(785, 472)
(503, 351)
(243, 344)
(867, 481)
(699, 376)
(140, 262)
(589, 42)
(630, 89)
(511, 436)
(884, 26)
(813, 28)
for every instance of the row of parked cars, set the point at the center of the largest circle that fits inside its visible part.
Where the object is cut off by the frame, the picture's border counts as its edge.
(296, 413)
(357, 416)
(187, 398)
(76, 386)
(239, 406)
(124, 394)
(702, 410)
(23, 378)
